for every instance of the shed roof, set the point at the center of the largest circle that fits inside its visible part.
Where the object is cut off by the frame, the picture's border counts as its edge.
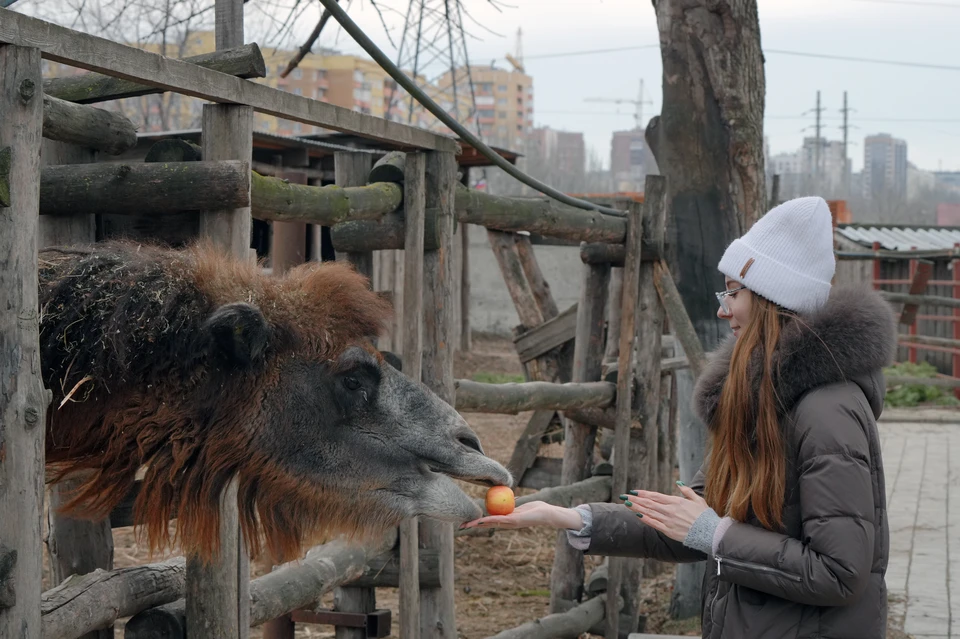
(897, 237)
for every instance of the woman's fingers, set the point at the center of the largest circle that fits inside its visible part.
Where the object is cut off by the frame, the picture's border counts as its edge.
(691, 495)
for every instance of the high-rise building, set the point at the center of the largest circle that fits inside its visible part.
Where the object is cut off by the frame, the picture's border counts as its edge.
(504, 100)
(884, 166)
(630, 160)
(822, 168)
(563, 149)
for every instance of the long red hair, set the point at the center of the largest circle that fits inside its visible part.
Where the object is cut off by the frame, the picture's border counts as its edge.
(747, 461)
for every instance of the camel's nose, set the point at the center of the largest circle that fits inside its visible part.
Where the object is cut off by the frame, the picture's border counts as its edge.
(471, 441)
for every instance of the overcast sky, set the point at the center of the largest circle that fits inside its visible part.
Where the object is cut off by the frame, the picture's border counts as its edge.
(886, 98)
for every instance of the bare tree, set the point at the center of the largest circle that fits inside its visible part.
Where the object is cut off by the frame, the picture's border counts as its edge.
(708, 142)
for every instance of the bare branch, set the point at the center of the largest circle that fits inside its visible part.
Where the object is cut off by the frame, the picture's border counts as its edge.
(305, 48)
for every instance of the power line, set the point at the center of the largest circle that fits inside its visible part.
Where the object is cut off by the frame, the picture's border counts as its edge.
(770, 117)
(465, 134)
(921, 3)
(806, 54)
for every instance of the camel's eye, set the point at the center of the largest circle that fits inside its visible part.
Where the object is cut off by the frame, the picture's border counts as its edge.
(351, 382)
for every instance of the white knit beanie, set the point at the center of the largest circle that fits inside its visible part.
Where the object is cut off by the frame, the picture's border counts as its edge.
(787, 255)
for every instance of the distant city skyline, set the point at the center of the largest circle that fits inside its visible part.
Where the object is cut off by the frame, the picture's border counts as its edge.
(913, 103)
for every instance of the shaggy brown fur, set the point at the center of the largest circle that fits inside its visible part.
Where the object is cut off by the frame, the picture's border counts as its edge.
(139, 380)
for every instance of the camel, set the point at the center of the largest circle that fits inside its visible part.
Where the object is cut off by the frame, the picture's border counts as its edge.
(195, 368)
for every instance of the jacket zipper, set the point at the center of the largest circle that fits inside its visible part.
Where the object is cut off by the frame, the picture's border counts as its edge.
(758, 567)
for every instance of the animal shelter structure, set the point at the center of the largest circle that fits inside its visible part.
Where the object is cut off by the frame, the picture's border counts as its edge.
(600, 372)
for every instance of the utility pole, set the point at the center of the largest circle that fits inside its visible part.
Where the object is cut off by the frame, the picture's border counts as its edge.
(846, 155)
(816, 149)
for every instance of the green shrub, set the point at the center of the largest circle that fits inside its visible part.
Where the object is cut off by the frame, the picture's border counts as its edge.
(906, 395)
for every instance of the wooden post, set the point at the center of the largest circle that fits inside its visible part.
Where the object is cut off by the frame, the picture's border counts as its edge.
(955, 263)
(912, 329)
(414, 198)
(634, 456)
(289, 239)
(23, 400)
(466, 337)
(877, 273)
(75, 546)
(566, 578)
(437, 613)
(217, 594)
(351, 169)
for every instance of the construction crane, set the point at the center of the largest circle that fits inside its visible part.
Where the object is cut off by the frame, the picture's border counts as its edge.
(638, 103)
(517, 59)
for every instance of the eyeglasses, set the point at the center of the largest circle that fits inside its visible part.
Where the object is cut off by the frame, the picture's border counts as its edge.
(722, 298)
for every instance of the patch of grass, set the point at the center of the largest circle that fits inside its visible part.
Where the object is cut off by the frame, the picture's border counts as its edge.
(497, 378)
(907, 395)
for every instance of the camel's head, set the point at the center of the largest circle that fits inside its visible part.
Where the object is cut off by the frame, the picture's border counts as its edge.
(351, 443)
(389, 445)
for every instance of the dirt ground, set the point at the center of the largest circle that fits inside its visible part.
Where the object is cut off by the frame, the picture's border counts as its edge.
(502, 581)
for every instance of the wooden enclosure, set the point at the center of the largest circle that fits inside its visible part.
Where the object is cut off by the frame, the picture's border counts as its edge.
(599, 374)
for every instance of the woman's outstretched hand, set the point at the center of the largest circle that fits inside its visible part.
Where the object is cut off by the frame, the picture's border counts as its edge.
(669, 514)
(532, 513)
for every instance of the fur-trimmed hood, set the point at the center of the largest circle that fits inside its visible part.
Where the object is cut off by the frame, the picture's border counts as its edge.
(850, 339)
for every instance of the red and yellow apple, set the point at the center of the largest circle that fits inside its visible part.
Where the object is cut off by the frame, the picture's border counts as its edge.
(499, 500)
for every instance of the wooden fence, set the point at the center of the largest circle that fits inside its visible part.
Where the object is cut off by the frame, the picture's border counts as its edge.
(600, 371)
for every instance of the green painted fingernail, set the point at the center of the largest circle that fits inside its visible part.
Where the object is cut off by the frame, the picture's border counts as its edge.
(634, 493)
(680, 483)
(640, 515)
(625, 497)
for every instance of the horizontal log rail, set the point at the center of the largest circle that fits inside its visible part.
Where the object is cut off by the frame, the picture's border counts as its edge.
(245, 61)
(542, 216)
(933, 341)
(897, 255)
(83, 603)
(144, 187)
(477, 397)
(288, 588)
(106, 131)
(953, 350)
(569, 624)
(920, 300)
(902, 380)
(93, 53)
(281, 201)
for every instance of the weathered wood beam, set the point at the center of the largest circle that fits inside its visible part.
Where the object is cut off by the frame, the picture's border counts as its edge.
(383, 234)
(23, 399)
(112, 58)
(389, 168)
(477, 397)
(599, 417)
(902, 380)
(292, 586)
(543, 216)
(437, 609)
(278, 200)
(679, 319)
(415, 197)
(148, 188)
(542, 339)
(384, 571)
(919, 300)
(566, 576)
(561, 625)
(88, 126)
(83, 603)
(613, 254)
(245, 61)
(543, 473)
(931, 341)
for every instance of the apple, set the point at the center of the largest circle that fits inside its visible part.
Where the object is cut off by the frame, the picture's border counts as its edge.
(499, 500)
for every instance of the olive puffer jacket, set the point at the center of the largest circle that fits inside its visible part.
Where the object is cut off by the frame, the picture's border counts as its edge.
(824, 576)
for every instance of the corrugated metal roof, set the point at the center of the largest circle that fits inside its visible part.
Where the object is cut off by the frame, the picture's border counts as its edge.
(901, 238)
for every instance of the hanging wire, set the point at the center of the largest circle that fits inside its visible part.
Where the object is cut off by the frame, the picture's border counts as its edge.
(380, 58)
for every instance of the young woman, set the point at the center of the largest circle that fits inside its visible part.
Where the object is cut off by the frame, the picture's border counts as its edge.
(789, 508)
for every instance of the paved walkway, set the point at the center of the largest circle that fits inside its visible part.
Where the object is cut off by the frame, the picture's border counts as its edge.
(922, 464)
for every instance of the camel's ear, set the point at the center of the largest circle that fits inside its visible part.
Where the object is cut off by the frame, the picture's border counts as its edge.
(239, 333)
(393, 360)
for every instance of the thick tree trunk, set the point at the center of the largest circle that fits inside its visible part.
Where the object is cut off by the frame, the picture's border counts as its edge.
(708, 142)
